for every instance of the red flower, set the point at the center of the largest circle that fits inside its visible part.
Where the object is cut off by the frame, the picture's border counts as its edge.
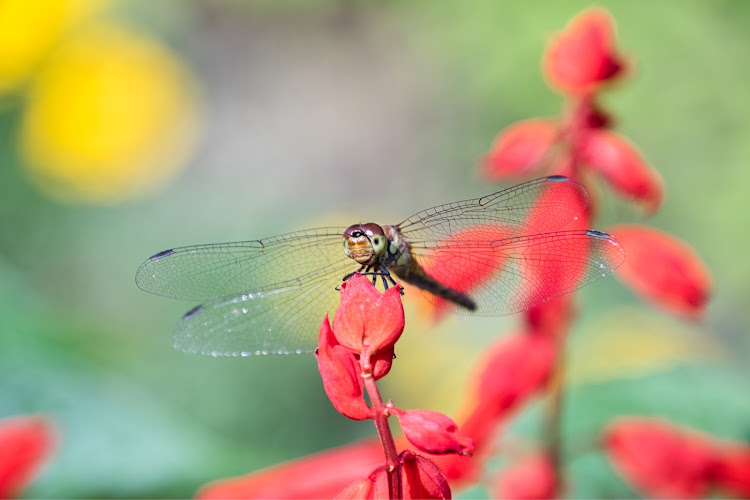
(25, 442)
(321, 475)
(433, 432)
(520, 150)
(584, 56)
(664, 270)
(365, 317)
(421, 478)
(341, 374)
(732, 473)
(621, 165)
(531, 478)
(661, 459)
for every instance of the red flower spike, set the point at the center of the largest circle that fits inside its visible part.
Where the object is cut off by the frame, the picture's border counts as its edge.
(367, 317)
(661, 459)
(421, 478)
(520, 149)
(25, 442)
(663, 270)
(732, 472)
(321, 475)
(621, 165)
(584, 56)
(531, 478)
(341, 376)
(432, 432)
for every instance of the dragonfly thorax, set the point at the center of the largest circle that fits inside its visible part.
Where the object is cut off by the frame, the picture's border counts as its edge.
(364, 243)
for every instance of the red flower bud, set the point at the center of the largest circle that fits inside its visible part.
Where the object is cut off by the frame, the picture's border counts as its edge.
(520, 150)
(661, 459)
(433, 432)
(382, 361)
(421, 478)
(341, 376)
(584, 56)
(664, 270)
(25, 442)
(531, 478)
(621, 165)
(365, 317)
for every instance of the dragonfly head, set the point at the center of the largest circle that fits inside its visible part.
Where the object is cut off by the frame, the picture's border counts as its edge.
(364, 242)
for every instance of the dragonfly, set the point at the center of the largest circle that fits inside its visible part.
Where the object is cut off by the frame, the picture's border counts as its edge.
(492, 256)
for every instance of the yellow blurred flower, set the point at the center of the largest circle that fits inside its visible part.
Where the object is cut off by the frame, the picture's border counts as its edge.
(111, 114)
(30, 29)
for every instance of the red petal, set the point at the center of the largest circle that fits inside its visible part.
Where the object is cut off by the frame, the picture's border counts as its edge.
(621, 165)
(583, 56)
(24, 444)
(421, 478)
(552, 317)
(367, 317)
(432, 432)
(732, 473)
(520, 149)
(341, 376)
(659, 458)
(664, 270)
(532, 477)
(322, 475)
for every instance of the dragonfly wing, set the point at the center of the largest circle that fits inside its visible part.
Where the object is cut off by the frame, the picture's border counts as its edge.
(509, 275)
(215, 271)
(280, 319)
(537, 206)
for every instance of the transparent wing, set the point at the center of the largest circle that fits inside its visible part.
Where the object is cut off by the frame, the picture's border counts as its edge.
(263, 296)
(279, 319)
(215, 271)
(509, 275)
(558, 201)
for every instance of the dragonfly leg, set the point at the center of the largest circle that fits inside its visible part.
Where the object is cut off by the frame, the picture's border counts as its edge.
(345, 278)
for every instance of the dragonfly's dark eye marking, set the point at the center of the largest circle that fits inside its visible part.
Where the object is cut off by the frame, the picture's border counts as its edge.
(161, 254)
(192, 312)
(597, 234)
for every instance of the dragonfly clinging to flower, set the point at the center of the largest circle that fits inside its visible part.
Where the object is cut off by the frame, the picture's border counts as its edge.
(492, 256)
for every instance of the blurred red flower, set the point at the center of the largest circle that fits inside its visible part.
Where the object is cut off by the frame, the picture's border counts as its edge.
(320, 475)
(25, 442)
(620, 164)
(520, 150)
(584, 56)
(532, 477)
(663, 460)
(663, 270)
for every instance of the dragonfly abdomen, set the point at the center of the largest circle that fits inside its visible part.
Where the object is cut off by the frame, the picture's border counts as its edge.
(417, 277)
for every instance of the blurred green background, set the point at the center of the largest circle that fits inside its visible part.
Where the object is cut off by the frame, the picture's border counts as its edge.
(127, 128)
